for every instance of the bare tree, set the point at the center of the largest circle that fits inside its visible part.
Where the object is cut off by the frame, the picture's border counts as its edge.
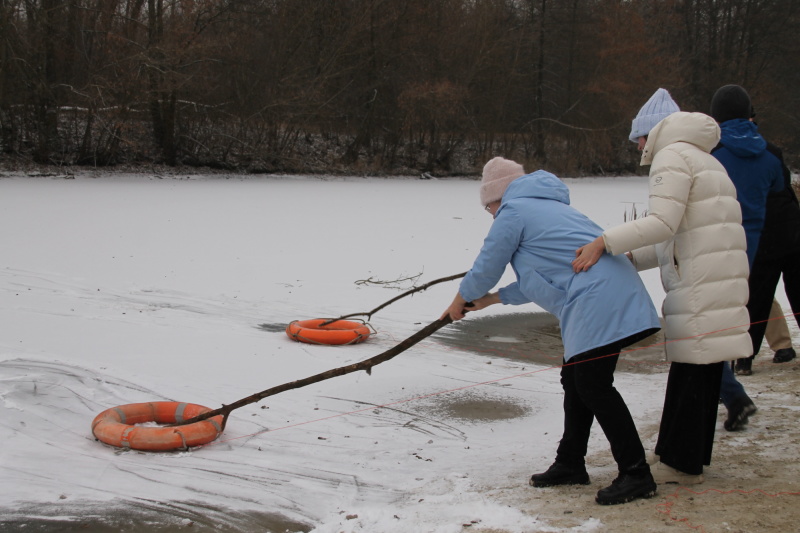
(377, 85)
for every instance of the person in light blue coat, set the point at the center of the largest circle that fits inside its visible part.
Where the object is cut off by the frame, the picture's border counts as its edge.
(536, 231)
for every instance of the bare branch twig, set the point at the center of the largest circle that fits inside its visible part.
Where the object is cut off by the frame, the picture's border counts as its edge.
(370, 281)
(421, 288)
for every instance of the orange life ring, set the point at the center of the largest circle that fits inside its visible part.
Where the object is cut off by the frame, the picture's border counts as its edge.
(116, 426)
(338, 332)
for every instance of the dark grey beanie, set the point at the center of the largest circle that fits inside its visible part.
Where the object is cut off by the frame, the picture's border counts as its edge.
(730, 102)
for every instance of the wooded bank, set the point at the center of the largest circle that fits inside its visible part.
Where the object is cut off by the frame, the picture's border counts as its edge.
(378, 86)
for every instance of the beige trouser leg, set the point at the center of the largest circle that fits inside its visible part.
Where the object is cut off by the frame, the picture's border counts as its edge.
(777, 333)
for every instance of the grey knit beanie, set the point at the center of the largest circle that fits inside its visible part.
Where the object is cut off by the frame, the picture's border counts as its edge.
(657, 108)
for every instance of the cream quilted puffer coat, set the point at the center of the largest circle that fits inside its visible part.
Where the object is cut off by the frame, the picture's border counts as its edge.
(693, 232)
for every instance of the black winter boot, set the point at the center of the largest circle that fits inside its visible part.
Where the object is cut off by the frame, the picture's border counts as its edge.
(744, 366)
(626, 488)
(561, 474)
(784, 355)
(739, 413)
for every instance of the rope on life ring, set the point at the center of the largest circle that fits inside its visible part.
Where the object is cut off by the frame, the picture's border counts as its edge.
(117, 426)
(337, 332)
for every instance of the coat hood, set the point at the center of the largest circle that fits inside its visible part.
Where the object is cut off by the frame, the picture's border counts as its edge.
(540, 184)
(741, 137)
(697, 129)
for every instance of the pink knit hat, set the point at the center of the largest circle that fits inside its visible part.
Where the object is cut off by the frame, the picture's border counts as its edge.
(497, 175)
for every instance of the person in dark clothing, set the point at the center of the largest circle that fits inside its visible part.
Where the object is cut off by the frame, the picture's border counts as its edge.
(778, 254)
(755, 173)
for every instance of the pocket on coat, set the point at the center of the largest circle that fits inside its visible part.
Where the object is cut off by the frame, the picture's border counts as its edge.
(543, 293)
(670, 268)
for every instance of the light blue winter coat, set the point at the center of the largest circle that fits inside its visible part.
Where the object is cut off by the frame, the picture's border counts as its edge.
(537, 232)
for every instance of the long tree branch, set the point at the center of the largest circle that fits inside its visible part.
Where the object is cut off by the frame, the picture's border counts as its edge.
(365, 365)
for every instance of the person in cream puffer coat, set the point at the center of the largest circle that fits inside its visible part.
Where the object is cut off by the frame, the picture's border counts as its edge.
(693, 232)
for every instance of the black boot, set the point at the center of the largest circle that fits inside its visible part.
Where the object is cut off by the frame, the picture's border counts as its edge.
(626, 488)
(744, 366)
(739, 413)
(784, 355)
(561, 474)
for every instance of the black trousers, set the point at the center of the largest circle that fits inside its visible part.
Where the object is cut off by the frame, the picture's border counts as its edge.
(589, 393)
(686, 436)
(764, 277)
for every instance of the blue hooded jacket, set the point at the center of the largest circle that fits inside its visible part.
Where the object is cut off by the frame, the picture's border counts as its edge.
(754, 171)
(537, 232)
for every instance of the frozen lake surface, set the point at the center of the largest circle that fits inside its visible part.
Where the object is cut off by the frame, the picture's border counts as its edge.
(131, 288)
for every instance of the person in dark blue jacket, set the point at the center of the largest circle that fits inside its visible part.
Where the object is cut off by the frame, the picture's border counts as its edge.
(754, 161)
(755, 173)
(601, 312)
(778, 256)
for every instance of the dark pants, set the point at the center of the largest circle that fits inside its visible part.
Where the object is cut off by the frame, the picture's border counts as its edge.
(686, 436)
(589, 393)
(730, 389)
(764, 277)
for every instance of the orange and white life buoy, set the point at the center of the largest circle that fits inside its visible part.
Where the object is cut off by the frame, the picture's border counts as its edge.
(117, 426)
(337, 332)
